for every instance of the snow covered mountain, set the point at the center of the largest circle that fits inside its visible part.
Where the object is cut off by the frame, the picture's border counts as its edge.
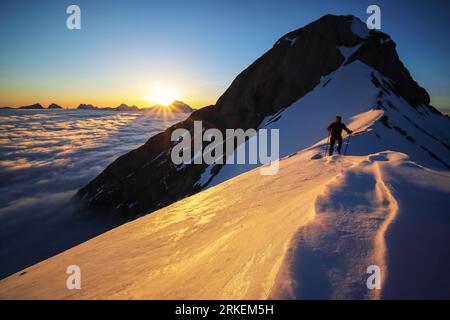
(331, 66)
(310, 231)
(352, 90)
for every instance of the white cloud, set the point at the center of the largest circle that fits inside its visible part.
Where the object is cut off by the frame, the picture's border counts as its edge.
(45, 157)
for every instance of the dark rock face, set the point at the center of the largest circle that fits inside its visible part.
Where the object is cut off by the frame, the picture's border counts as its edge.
(54, 106)
(145, 179)
(33, 106)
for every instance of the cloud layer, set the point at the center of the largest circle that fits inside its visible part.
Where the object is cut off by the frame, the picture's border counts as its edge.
(45, 156)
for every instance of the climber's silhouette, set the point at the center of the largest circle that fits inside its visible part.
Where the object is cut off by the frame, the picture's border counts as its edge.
(336, 134)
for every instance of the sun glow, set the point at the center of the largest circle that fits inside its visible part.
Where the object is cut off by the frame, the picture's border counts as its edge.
(163, 96)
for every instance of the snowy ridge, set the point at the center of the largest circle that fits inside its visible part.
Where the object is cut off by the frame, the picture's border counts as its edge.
(351, 91)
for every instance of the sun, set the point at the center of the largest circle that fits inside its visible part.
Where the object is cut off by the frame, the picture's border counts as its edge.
(163, 95)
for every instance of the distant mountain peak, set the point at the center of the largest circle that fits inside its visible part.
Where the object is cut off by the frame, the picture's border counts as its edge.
(86, 106)
(33, 106)
(176, 106)
(54, 106)
(125, 107)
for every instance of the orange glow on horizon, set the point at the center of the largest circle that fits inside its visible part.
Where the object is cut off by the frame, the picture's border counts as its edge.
(141, 96)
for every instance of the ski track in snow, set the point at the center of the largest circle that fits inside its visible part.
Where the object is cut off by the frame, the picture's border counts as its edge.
(352, 215)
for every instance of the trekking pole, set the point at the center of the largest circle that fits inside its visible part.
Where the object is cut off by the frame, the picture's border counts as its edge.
(346, 146)
(328, 144)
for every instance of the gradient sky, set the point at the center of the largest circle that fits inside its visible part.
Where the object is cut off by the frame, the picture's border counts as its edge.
(125, 48)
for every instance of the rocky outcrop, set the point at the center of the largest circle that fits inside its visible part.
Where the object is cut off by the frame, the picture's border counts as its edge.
(145, 179)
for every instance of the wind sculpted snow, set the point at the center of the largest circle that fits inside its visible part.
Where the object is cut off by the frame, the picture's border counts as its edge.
(332, 253)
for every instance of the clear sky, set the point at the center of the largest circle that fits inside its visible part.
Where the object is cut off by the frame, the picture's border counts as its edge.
(126, 49)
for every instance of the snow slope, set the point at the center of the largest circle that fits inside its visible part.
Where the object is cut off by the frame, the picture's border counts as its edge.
(308, 232)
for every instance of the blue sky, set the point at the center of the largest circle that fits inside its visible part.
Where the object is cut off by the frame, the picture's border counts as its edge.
(126, 48)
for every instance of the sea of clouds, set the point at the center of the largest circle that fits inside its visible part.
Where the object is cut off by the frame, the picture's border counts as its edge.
(45, 157)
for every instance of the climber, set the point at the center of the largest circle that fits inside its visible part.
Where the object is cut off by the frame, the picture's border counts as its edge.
(335, 130)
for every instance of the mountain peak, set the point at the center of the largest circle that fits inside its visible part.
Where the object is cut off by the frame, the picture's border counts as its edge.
(335, 48)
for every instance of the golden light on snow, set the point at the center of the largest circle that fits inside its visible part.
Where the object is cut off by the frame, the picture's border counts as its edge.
(163, 95)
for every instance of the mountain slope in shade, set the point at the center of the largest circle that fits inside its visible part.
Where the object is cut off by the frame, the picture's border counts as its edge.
(335, 56)
(309, 232)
